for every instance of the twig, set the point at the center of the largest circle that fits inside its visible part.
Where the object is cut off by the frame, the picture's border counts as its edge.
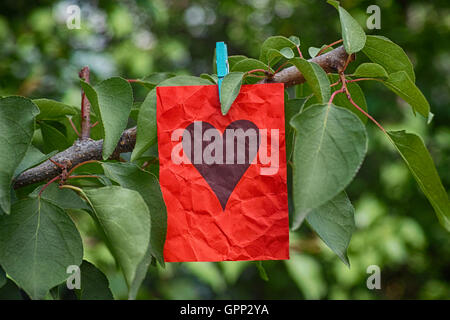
(335, 93)
(349, 97)
(328, 46)
(47, 184)
(74, 128)
(349, 58)
(280, 67)
(258, 70)
(363, 79)
(82, 176)
(335, 84)
(299, 52)
(85, 107)
(81, 164)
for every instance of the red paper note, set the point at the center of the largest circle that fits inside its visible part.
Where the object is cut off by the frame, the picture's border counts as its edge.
(223, 178)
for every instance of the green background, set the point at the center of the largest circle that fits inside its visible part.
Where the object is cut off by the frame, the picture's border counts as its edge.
(396, 226)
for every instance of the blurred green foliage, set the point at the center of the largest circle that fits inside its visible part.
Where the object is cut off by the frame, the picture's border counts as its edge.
(396, 226)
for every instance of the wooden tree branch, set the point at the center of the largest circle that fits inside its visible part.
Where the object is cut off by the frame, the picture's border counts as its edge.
(85, 107)
(82, 150)
(87, 149)
(333, 61)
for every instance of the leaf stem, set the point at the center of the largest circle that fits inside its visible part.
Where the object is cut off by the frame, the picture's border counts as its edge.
(299, 52)
(349, 58)
(47, 184)
(69, 186)
(335, 93)
(363, 79)
(80, 164)
(73, 127)
(59, 165)
(255, 76)
(257, 70)
(349, 97)
(279, 68)
(328, 46)
(335, 84)
(82, 176)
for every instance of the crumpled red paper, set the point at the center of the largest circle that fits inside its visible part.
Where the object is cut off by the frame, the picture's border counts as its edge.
(209, 219)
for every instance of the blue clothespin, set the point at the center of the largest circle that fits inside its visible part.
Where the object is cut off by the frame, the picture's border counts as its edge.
(221, 62)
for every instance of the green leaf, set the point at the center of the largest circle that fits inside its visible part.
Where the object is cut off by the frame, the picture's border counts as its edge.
(316, 78)
(53, 110)
(210, 77)
(277, 43)
(390, 56)
(330, 145)
(352, 33)
(334, 3)
(94, 284)
(295, 40)
(32, 158)
(404, 87)
(415, 154)
(229, 90)
(132, 177)
(370, 70)
(38, 241)
(53, 138)
(16, 127)
(111, 100)
(287, 53)
(291, 108)
(357, 95)
(152, 80)
(274, 55)
(334, 222)
(313, 51)
(303, 90)
(63, 198)
(248, 64)
(146, 124)
(125, 220)
(134, 114)
(233, 60)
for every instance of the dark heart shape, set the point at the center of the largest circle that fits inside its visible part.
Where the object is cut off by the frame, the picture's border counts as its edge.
(222, 178)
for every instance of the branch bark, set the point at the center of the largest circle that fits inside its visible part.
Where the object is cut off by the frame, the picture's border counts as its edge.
(82, 150)
(87, 149)
(333, 61)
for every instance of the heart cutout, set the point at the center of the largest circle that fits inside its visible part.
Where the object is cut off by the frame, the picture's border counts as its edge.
(223, 171)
